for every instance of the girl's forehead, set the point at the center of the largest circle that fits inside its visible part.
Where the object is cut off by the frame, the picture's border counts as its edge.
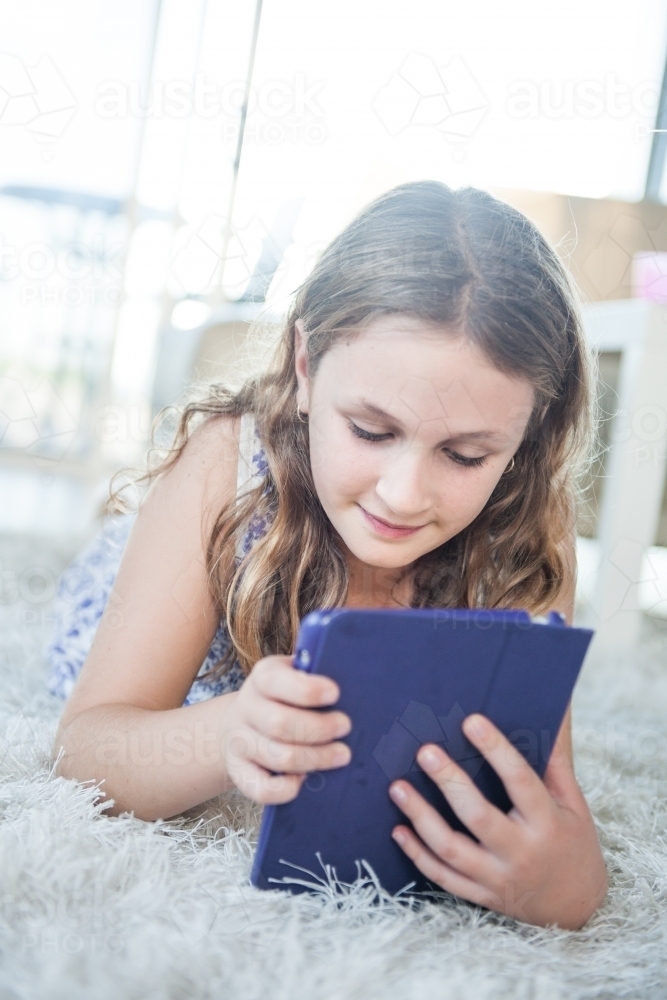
(429, 370)
(402, 340)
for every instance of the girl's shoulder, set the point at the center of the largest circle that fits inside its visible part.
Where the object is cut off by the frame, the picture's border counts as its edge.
(206, 474)
(215, 442)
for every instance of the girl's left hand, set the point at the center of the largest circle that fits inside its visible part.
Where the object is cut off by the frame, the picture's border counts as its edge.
(540, 863)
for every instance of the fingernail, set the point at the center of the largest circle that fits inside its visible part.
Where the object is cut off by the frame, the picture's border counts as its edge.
(329, 695)
(342, 756)
(476, 724)
(343, 727)
(398, 793)
(399, 837)
(429, 759)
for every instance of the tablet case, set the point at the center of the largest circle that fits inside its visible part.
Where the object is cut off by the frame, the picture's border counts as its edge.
(409, 677)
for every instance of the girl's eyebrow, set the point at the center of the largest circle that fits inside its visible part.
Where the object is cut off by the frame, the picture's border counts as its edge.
(491, 436)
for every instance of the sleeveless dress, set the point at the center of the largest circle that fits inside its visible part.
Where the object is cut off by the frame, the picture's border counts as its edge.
(84, 587)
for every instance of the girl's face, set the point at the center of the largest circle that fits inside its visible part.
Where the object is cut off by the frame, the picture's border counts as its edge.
(409, 427)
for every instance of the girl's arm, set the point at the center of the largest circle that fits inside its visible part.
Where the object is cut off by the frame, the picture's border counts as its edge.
(125, 724)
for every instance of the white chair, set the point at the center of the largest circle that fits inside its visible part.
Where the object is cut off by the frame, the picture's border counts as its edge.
(625, 572)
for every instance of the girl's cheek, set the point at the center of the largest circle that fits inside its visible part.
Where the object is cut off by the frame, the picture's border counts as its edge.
(464, 497)
(351, 481)
(337, 473)
(325, 449)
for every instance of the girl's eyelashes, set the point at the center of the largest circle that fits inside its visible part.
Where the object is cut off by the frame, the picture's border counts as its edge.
(471, 463)
(454, 455)
(366, 435)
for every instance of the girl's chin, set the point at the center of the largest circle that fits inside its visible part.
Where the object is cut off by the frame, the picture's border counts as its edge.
(379, 555)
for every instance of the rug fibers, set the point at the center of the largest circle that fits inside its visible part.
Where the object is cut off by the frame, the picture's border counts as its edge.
(102, 908)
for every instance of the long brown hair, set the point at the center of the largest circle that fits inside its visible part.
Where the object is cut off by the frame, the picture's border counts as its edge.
(471, 264)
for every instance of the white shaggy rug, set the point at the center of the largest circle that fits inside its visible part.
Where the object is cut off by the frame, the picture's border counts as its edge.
(102, 907)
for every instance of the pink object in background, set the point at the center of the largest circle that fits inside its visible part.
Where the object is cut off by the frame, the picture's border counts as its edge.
(649, 276)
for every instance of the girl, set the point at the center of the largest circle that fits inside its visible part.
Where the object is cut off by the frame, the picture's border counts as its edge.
(413, 444)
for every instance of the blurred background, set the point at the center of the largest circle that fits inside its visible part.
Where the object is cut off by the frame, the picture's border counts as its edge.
(170, 171)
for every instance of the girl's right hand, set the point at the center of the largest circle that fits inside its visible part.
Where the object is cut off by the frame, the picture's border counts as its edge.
(271, 726)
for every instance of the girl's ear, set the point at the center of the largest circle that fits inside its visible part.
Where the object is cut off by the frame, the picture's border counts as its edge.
(301, 366)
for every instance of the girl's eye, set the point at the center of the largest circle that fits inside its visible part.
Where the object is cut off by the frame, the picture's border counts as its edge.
(470, 463)
(366, 435)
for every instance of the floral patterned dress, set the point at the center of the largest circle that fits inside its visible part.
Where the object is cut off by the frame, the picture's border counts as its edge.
(84, 588)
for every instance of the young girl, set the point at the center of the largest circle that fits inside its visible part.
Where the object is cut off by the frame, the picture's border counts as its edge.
(412, 445)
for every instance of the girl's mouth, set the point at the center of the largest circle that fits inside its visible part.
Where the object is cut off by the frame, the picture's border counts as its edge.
(388, 530)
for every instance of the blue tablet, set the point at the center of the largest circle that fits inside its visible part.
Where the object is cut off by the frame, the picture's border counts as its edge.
(409, 677)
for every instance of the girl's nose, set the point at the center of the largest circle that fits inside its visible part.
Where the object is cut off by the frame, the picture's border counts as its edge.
(403, 485)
